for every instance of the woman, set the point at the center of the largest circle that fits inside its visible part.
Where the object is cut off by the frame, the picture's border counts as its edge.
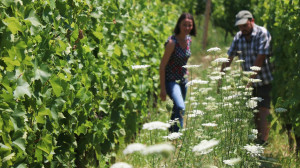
(172, 74)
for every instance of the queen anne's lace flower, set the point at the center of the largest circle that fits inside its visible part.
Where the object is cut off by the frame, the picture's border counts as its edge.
(214, 49)
(255, 80)
(254, 150)
(209, 124)
(205, 146)
(238, 61)
(159, 148)
(221, 60)
(257, 99)
(191, 66)
(121, 165)
(173, 136)
(255, 68)
(139, 66)
(232, 162)
(135, 147)
(251, 104)
(156, 125)
(196, 82)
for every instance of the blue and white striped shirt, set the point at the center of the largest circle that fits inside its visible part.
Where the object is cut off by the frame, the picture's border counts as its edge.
(248, 51)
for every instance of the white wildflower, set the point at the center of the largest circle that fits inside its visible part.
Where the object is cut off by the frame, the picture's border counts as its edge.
(227, 105)
(159, 148)
(205, 145)
(251, 104)
(255, 111)
(227, 69)
(172, 122)
(254, 131)
(221, 60)
(198, 112)
(215, 77)
(226, 88)
(121, 165)
(196, 82)
(255, 68)
(214, 49)
(280, 110)
(238, 61)
(254, 150)
(254, 80)
(233, 161)
(139, 66)
(173, 136)
(217, 116)
(210, 166)
(191, 66)
(249, 89)
(135, 147)
(257, 99)
(210, 98)
(237, 103)
(156, 125)
(209, 124)
(205, 90)
(252, 137)
(249, 73)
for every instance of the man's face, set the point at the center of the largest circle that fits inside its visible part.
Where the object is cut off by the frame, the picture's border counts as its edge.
(247, 28)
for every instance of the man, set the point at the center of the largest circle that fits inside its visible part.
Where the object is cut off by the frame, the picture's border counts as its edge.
(252, 44)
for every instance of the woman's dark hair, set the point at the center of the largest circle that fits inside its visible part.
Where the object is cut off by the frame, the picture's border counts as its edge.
(181, 18)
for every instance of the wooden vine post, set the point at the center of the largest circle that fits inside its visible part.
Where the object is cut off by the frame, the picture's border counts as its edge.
(207, 16)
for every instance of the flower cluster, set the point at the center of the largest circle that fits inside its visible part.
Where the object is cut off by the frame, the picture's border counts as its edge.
(139, 66)
(121, 165)
(159, 148)
(196, 82)
(251, 104)
(135, 147)
(255, 68)
(209, 124)
(205, 146)
(191, 66)
(254, 150)
(173, 136)
(214, 49)
(232, 161)
(156, 125)
(221, 60)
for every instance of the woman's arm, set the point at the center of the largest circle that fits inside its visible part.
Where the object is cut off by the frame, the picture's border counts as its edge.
(162, 68)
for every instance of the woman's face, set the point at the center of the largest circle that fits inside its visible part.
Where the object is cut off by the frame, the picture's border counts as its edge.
(186, 26)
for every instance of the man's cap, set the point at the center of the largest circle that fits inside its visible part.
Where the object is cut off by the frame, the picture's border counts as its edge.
(242, 17)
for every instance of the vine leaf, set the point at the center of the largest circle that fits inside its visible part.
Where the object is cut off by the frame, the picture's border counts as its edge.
(33, 19)
(20, 142)
(22, 90)
(45, 144)
(42, 75)
(13, 24)
(55, 83)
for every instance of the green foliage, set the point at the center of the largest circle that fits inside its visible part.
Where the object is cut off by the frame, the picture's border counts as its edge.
(67, 101)
(223, 13)
(282, 19)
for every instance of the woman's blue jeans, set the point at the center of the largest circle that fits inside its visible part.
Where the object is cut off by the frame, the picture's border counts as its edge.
(177, 92)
